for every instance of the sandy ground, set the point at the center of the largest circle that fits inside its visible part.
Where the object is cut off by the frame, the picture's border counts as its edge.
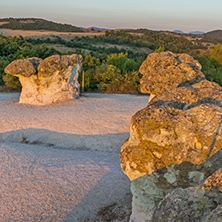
(61, 162)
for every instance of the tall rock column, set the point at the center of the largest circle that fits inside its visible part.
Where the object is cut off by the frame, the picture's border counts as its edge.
(175, 142)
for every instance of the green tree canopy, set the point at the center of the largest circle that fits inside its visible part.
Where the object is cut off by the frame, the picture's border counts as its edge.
(160, 49)
(90, 61)
(117, 60)
(216, 53)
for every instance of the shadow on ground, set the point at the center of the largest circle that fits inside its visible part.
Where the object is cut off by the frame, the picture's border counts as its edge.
(102, 142)
(109, 200)
(106, 197)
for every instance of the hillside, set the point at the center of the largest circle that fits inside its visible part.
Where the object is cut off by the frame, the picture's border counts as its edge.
(116, 53)
(214, 34)
(97, 28)
(140, 38)
(36, 24)
(171, 41)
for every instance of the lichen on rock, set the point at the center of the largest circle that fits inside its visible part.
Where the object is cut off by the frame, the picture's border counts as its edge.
(199, 203)
(163, 72)
(171, 132)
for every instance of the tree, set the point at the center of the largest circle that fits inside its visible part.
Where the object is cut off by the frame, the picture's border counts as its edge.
(12, 81)
(117, 60)
(90, 62)
(211, 69)
(16, 48)
(216, 53)
(160, 49)
(108, 77)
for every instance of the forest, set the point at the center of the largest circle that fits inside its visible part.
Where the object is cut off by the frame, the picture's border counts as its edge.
(108, 66)
(149, 39)
(37, 24)
(156, 39)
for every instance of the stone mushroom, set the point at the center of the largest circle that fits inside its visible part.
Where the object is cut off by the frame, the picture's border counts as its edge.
(47, 81)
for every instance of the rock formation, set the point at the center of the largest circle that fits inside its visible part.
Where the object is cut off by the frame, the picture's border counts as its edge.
(47, 81)
(176, 141)
(164, 71)
(200, 203)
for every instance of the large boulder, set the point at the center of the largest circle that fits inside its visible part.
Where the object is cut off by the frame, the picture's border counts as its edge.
(163, 72)
(47, 81)
(181, 125)
(175, 142)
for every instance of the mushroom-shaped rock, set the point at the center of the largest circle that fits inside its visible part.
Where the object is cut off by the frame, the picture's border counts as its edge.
(47, 81)
(163, 72)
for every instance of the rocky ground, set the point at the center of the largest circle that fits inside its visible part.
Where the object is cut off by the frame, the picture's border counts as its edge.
(61, 162)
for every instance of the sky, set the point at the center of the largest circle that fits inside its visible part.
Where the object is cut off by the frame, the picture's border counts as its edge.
(187, 15)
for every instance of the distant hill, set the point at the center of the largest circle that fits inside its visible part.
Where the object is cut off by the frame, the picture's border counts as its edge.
(179, 31)
(36, 24)
(192, 33)
(97, 28)
(214, 34)
(196, 33)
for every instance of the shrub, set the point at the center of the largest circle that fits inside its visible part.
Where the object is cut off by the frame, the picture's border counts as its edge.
(108, 77)
(216, 53)
(12, 81)
(211, 69)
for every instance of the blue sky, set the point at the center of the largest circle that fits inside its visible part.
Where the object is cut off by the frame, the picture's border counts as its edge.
(189, 15)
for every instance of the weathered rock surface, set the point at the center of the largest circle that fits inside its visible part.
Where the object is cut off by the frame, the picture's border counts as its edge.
(179, 128)
(200, 203)
(149, 191)
(175, 142)
(47, 81)
(182, 125)
(215, 215)
(163, 72)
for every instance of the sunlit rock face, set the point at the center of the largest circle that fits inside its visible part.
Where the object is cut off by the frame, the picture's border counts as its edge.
(184, 124)
(47, 81)
(175, 142)
(163, 72)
